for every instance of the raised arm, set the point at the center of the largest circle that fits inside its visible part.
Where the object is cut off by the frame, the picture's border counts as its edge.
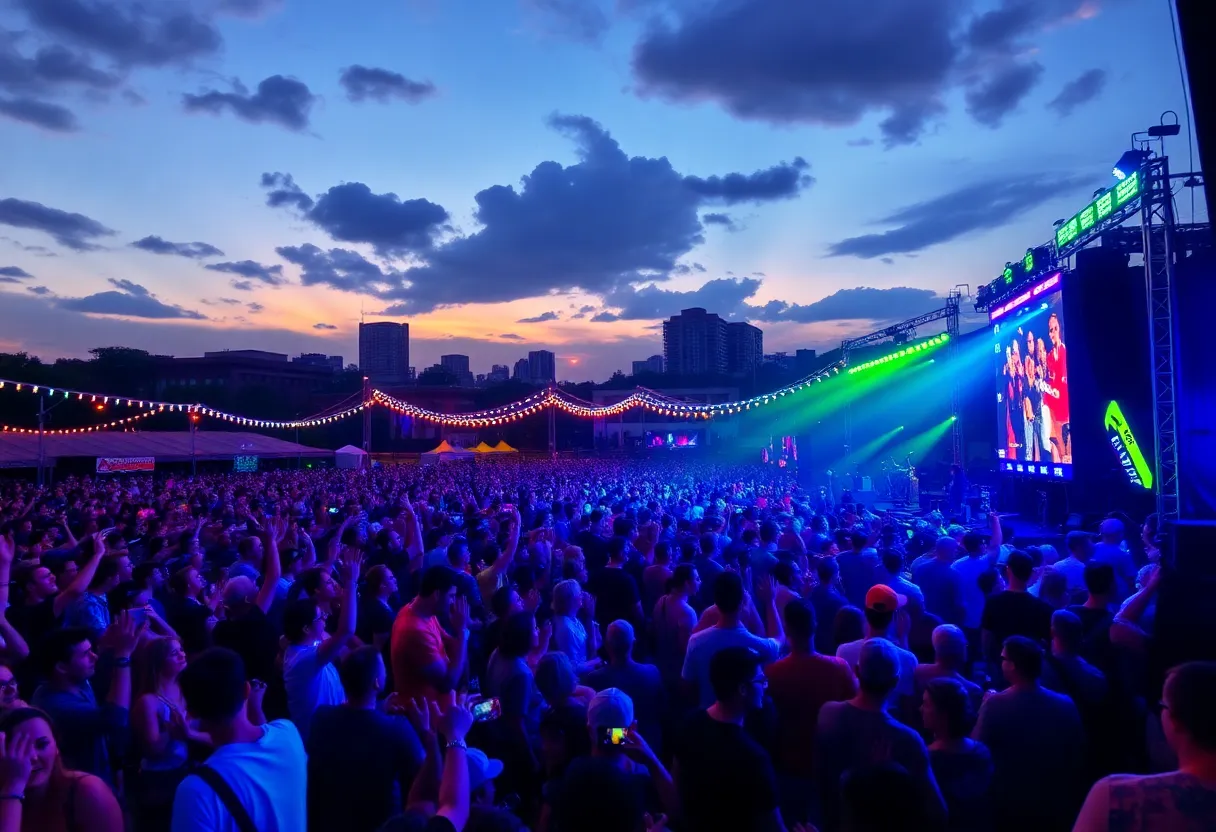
(272, 567)
(329, 649)
(84, 577)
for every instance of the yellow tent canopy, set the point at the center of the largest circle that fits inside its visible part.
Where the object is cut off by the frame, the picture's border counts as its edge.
(482, 448)
(503, 447)
(443, 448)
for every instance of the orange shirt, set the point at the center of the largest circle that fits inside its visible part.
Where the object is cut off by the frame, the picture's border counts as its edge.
(799, 686)
(416, 643)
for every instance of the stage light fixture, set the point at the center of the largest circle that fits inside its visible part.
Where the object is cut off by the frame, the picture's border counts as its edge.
(1129, 163)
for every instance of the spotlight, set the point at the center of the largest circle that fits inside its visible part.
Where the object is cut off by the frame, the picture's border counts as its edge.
(1162, 130)
(1129, 163)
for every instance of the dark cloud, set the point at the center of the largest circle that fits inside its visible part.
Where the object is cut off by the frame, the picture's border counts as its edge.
(248, 8)
(352, 213)
(538, 319)
(50, 69)
(194, 251)
(74, 231)
(14, 272)
(270, 275)
(684, 268)
(383, 85)
(128, 300)
(583, 310)
(782, 181)
(979, 206)
(324, 326)
(580, 20)
(862, 303)
(255, 308)
(241, 285)
(39, 290)
(130, 34)
(607, 222)
(278, 100)
(1080, 90)
(888, 260)
(819, 63)
(340, 269)
(42, 114)
(723, 220)
(220, 301)
(723, 296)
(990, 100)
(511, 336)
(1003, 29)
(285, 191)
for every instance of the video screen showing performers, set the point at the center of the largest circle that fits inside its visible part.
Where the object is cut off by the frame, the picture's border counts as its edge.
(1029, 343)
(673, 439)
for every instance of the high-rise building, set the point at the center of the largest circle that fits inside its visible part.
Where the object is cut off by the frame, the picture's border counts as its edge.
(542, 367)
(384, 352)
(457, 365)
(804, 362)
(695, 343)
(498, 374)
(654, 364)
(744, 348)
(319, 359)
(522, 368)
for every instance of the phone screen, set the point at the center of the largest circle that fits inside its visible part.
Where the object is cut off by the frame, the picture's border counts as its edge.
(487, 709)
(334, 510)
(911, 534)
(612, 736)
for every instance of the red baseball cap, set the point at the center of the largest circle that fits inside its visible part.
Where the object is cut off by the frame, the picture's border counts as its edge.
(881, 598)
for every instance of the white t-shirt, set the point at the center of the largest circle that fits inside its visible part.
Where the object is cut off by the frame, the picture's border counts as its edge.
(851, 653)
(703, 645)
(969, 570)
(309, 685)
(269, 778)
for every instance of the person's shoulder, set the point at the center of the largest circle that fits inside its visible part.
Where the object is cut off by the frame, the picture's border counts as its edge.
(284, 733)
(93, 795)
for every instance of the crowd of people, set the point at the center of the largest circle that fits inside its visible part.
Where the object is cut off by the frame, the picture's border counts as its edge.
(576, 646)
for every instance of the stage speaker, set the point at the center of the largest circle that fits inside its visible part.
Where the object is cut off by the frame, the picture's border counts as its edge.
(1192, 545)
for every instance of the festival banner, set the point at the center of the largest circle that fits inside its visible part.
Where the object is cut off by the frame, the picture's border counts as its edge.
(125, 464)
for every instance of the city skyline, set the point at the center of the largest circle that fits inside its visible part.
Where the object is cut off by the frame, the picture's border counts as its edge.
(507, 177)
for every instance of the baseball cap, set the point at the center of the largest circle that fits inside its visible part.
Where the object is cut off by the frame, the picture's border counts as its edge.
(881, 598)
(481, 768)
(610, 708)
(878, 663)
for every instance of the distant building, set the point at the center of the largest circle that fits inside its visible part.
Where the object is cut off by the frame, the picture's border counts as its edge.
(384, 352)
(654, 364)
(231, 371)
(542, 367)
(695, 343)
(780, 360)
(318, 359)
(457, 365)
(498, 374)
(804, 362)
(522, 370)
(744, 348)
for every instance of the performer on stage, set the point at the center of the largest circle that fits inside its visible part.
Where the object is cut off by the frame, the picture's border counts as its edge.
(1057, 391)
(956, 490)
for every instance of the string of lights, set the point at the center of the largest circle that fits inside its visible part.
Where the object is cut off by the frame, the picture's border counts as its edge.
(117, 423)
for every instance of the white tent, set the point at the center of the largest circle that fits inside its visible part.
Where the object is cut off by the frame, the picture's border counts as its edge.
(443, 452)
(350, 457)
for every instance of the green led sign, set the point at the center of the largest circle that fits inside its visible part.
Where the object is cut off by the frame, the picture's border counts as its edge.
(1102, 207)
(1028, 261)
(1126, 448)
(1008, 274)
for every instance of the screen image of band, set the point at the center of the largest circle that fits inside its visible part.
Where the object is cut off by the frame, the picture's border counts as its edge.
(1033, 424)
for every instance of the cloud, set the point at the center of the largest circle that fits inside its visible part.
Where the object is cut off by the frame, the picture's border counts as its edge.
(975, 207)
(579, 20)
(782, 181)
(861, 303)
(340, 269)
(364, 82)
(684, 268)
(285, 191)
(601, 224)
(255, 308)
(241, 285)
(324, 326)
(74, 231)
(350, 212)
(723, 220)
(39, 290)
(51, 69)
(862, 142)
(1001, 29)
(1078, 91)
(538, 319)
(249, 8)
(42, 114)
(725, 296)
(130, 34)
(817, 63)
(14, 272)
(130, 300)
(888, 260)
(990, 100)
(194, 251)
(278, 100)
(219, 301)
(511, 336)
(270, 275)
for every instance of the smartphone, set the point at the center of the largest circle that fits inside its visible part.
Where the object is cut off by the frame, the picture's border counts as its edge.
(487, 709)
(612, 736)
(911, 534)
(334, 510)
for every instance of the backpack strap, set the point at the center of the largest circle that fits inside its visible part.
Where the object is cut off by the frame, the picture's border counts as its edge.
(240, 815)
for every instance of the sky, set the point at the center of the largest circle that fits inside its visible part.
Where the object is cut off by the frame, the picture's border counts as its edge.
(510, 175)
